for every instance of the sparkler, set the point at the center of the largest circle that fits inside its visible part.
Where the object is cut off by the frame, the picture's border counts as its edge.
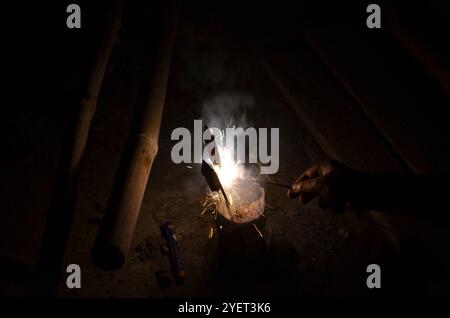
(283, 185)
(244, 199)
(256, 228)
(220, 175)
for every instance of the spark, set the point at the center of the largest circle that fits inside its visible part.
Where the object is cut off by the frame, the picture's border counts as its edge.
(256, 228)
(210, 200)
(227, 169)
(260, 212)
(229, 172)
(237, 196)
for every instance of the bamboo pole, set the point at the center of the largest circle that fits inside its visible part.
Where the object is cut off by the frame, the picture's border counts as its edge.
(420, 49)
(60, 216)
(117, 229)
(89, 103)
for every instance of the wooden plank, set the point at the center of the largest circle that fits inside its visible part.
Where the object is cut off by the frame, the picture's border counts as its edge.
(408, 110)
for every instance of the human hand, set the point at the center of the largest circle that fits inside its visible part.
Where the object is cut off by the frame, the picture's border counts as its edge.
(336, 185)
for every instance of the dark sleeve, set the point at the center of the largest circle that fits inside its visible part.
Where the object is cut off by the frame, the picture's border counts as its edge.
(424, 196)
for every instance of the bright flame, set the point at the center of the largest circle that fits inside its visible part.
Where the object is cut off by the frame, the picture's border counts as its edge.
(227, 170)
(223, 163)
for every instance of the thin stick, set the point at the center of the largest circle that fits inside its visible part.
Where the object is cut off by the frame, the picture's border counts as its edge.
(270, 182)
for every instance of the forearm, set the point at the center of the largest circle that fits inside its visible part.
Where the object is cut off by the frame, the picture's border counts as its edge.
(415, 195)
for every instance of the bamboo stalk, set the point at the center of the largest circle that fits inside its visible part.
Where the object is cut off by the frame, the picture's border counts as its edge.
(89, 104)
(116, 232)
(419, 47)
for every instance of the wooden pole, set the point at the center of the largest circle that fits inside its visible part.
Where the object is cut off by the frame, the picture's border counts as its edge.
(89, 103)
(419, 47)
(117, 229)
(60, 216)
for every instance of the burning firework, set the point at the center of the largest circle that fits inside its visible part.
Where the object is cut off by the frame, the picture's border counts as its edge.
(238, 200)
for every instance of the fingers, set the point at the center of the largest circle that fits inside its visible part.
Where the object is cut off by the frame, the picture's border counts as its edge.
(307, 189)
(305, 186)
(312, 186)
(317, 170)
(327, 180)
(310, 183)
(291, 195)
(309, 173)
